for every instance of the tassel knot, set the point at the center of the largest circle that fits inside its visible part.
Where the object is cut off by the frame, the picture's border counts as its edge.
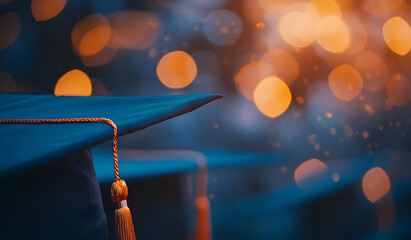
(119, 191)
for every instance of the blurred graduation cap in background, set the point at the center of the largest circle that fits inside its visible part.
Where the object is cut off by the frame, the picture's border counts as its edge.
(171, 188)
(48, 182)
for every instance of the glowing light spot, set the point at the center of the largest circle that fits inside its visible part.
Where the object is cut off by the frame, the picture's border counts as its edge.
(333, 34)
(326, 8)
(297, 29)
(336, 177)
(399, 90)
(250, 75)
(253, 12)
(300, 100)
(101, 58)
(348, 131)
(260, 25)
(369, 109)
(91, 34)
(317, 146)
(312, 139)
(272, 97)
(381, 8)
(7, 83)
(345, 82)
(176, 69)
(365, 134)
(46, 9)
(307, 170)
(283, 64)
(373, 70)
(136, 30)
(73, 83)
(375, 184)
(272, 6)
(397, 35)
(329, 115)
(95, 40)
(358, 35)
(222, 27)
(98, 88)
(296, 113)
(333, 131)
(10, 27)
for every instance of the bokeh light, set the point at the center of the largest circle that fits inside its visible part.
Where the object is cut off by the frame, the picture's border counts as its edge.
(101, 58)
(94, 40)
(283, 64)
(73, 83)
(43, 10)
(399, 89)
(250, 75)
(91, 34)
(10, 27)
(381, 8)
(297, 28)
(273, 7)
(345, 82)
(308, 170)
(373, 70)
(136, 30)
(222, 27)
(326, 8)
(272, 97)
(397, 35)
(98, 88)
(375, 184)
(7, 83)
(176, 69)
(358, 35)
(253, 12)
(333, 34)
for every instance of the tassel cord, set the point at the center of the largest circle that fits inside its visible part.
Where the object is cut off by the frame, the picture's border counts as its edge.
(119, 191)
(77, 120)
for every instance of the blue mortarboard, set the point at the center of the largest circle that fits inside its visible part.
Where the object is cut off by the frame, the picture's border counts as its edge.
(48, 178)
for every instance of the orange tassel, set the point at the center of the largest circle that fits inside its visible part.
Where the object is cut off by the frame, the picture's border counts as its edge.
(203, 218)
(123, 219)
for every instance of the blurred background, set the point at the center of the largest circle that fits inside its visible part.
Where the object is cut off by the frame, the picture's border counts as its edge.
(323, 85)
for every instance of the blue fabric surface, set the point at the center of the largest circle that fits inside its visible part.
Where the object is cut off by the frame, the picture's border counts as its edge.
(58, 200)
(24, 145)
(135, 164)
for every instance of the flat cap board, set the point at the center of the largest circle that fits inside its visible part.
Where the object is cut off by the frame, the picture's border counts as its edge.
(25, 145)
(135, 164)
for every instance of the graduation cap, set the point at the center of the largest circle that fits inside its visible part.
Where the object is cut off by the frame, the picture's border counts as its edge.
(48, 183)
